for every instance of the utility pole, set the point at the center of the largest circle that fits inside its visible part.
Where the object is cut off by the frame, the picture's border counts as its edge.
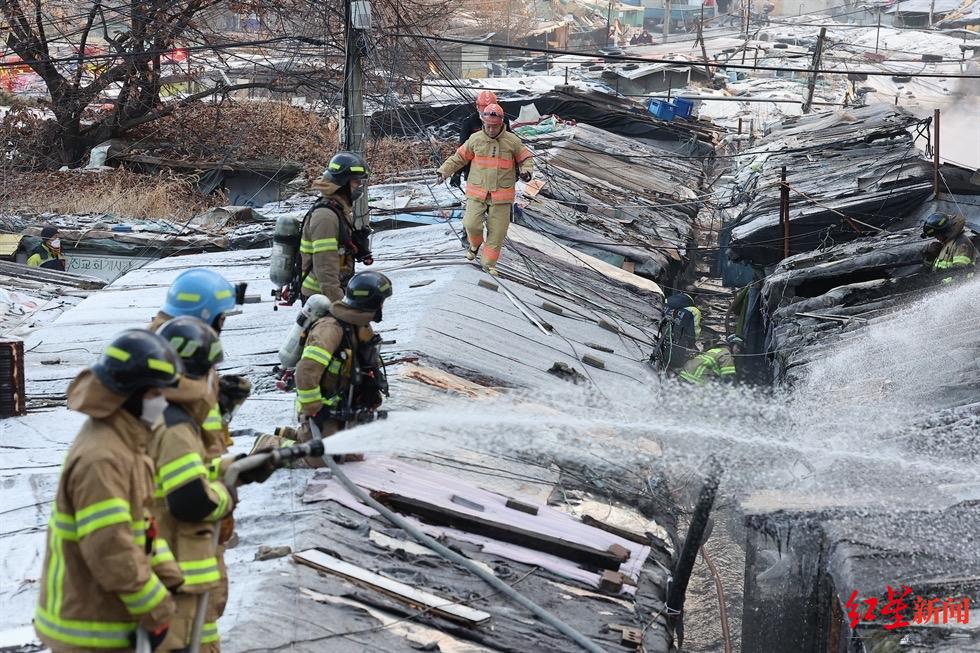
(608, 24)
(878, 33)
(666, 19)
(932, 8)
(935, 152)
(784, 210)
(358, 22)
(816, 66)
(704, 51)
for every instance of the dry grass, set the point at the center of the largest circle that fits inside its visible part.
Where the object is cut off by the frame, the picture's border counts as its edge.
(273, 130)
(119, 192)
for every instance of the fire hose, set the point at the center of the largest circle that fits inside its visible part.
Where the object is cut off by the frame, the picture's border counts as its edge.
(452, 556)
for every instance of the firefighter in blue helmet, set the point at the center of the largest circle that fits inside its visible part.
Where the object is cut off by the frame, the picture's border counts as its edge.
(200, 293)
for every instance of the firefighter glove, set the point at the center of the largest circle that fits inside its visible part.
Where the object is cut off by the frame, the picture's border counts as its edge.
(259, 474)
(456, 180)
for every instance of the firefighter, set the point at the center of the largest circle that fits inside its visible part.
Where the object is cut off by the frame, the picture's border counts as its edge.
(493, 154)
(340, 380)
(199, 292)
(191, 499)
(207, 296)
(471, 125)
(99, 582)
(329, 243)
(952, 249)
(715, 363)
(48, 254)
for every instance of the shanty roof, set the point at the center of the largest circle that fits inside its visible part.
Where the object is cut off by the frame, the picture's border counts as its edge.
(618, 115)
(923, 6)
(967, 14)
(615, 198)
(451, 331)
(846, 169)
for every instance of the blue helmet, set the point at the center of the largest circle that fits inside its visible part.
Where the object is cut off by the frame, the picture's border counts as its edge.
(200, 293)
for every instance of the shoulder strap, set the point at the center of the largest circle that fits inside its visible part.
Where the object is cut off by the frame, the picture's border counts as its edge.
(175, 414)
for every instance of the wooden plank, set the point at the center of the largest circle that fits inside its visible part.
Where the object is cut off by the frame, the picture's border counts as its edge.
(616, 530)
(439, 515)
(51, 276)
(416, 598)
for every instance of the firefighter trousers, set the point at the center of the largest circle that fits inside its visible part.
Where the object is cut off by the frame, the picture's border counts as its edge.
(498, 220)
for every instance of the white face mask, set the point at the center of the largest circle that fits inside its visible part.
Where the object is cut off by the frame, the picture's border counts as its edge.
(55, 243)
(153, 409)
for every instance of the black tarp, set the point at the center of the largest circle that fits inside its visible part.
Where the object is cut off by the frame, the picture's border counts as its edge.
(614, 114)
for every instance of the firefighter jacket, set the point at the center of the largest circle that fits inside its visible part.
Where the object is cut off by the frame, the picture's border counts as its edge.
(469, 126)
(327, 263)
(323, 374)
(492, 175)
(957, 252)
(44, 257)
(715, 363)
(188, 497)
(97, 582)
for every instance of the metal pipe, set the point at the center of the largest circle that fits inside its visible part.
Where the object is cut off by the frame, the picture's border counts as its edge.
(452, 556)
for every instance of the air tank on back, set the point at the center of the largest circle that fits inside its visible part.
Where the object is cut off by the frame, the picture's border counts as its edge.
(285, 243)
(316, 307)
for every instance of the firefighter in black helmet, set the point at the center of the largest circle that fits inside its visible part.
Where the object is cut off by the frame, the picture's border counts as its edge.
(340, 381)
(329, 243)
(952, 250)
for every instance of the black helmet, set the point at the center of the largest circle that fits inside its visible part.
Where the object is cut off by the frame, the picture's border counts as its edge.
(935, 225)
(367, 291)
(680, 300)
(345, 166)
(137, 359)
(195, 342)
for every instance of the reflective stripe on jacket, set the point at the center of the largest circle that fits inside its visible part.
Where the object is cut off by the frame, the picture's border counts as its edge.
(714, 363)
(97, 582)
(492, 161)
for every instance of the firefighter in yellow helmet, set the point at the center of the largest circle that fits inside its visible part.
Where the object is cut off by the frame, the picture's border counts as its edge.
(106, 573)
(494, 156)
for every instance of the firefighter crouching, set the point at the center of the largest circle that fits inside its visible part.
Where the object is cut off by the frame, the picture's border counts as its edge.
(340, 379)
(105, 571)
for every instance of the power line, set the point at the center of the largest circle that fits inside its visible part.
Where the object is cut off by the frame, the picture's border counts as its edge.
(720, 64)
